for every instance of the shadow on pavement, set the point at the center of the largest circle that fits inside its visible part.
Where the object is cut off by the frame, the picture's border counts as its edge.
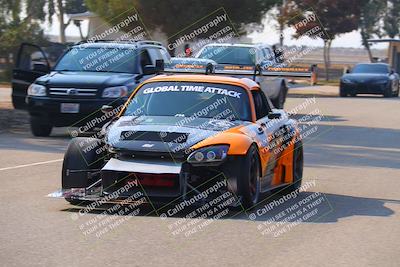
(331, 209)
(352, 146)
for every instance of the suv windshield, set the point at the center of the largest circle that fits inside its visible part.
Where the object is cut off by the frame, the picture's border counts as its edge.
(99, 59)
(194, 100)
(370, 68)
(229, 55)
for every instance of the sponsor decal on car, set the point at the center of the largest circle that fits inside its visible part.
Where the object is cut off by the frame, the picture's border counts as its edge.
(191, 88)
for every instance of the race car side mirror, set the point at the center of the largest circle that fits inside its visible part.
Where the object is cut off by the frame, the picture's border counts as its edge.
(106, 109)
(274, 116)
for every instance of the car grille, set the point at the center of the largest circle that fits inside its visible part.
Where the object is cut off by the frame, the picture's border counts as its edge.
(154, 136)
(73, 92)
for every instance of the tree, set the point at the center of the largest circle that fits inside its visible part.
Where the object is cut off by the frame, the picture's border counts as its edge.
(335, 17)
(371, 14)
(19, 22)
(392, 19)
(171, 16)
(66, 7)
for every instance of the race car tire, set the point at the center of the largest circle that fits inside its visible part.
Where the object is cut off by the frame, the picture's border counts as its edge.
(298, 163)
(40, 127)
(77, 158)
(249, 179)
(388, 91)
(342, 92)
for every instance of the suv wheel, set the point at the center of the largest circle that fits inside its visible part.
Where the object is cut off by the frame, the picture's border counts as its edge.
(40, 127)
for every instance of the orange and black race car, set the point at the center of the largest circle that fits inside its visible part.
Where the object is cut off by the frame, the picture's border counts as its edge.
(187, 137)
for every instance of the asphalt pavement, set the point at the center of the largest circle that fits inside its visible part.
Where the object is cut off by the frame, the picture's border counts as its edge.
(352, 167)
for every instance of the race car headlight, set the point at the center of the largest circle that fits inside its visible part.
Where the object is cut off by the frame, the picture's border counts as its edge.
(36, 90)
(115, 92)
(208, 154)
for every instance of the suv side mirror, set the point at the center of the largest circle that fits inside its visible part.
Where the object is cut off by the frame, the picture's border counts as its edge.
(151, 69)
(391, 72)
(106, 109)
(274, 115)
(347, 70)
(40, 67)
(159, 65)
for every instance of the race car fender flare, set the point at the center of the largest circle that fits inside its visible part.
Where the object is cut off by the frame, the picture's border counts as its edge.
(238, 143)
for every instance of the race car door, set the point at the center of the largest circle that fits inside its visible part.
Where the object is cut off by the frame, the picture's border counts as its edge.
(271, 141)
(32, 62)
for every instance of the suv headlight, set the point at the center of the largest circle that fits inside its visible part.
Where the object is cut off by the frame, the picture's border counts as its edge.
(115, 92)
(36, 90)
(211, 154)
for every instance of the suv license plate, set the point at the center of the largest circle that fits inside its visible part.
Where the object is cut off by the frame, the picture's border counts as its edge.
(69, 108)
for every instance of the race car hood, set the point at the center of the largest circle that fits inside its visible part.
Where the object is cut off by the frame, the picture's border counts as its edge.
(85, 79)
(164, 134)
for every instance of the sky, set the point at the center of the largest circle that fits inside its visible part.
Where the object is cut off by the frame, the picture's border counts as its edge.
(269, 35)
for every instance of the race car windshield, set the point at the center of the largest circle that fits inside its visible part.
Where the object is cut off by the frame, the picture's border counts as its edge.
(99, 60)
(195, 100)
(229, 55)
(371, 68)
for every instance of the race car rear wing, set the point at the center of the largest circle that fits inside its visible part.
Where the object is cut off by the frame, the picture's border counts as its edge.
(190, 65)
(204, 66)
(309, 73)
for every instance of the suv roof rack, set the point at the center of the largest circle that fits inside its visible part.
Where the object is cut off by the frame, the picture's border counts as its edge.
(145, 42)
(149, 43)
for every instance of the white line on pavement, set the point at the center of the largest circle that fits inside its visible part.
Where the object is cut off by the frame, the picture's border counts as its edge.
(31, 164)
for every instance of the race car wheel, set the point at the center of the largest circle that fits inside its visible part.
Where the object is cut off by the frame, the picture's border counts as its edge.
(298, 163)
(40, 127)
(342, 92)
(78, 162)
(388, 91)
(249, 180)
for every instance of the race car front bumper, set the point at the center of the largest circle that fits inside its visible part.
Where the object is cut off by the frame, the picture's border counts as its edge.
(160, 181)
(364, 88)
